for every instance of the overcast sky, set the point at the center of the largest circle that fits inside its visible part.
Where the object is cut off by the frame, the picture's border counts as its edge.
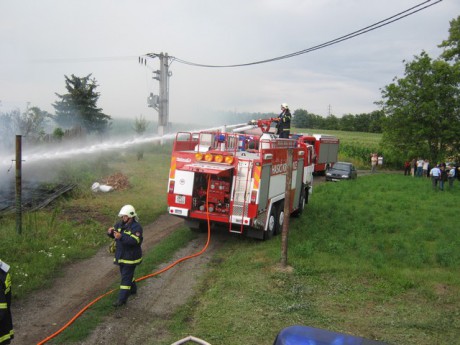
(41, 41)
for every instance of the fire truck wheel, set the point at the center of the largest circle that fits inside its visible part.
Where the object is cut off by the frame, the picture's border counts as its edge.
(271, 225)
(302, 202)
(280, 218)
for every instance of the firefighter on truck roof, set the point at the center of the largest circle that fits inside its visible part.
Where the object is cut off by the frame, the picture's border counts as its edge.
(128, 253)
(6, 322)
(284, 122)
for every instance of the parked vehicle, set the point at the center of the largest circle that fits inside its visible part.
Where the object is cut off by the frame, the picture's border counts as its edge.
(341, 171)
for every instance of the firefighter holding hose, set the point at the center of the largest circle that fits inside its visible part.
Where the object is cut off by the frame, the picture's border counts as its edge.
(128, 253)
(284, 122)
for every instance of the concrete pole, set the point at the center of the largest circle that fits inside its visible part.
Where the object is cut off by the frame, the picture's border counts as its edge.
(163, 107)
(287, 210)
(18, 184)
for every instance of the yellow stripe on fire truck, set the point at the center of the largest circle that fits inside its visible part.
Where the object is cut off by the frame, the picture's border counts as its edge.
(257, 170)
(172, 171)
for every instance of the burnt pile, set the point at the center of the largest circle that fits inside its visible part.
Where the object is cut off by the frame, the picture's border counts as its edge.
(34, 196)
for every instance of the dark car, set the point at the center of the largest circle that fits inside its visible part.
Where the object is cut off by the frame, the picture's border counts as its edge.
(341, 171)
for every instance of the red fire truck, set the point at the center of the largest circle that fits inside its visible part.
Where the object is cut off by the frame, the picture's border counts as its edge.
(237, 179)
(326, 149)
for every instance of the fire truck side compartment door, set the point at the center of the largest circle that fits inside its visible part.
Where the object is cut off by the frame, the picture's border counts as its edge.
(264, 187)
(184, 182)
(328, 152)
(298, 182)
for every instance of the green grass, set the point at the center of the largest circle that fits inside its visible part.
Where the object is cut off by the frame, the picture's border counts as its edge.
(377, 257)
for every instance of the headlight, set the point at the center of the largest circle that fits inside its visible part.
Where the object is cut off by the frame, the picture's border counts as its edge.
(345, 176)
(328, 174)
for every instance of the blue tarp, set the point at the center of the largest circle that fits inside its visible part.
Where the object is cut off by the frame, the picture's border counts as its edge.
(303, 335)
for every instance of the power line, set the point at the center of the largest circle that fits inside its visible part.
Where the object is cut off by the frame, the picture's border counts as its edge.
(84, 59)
(377, 25)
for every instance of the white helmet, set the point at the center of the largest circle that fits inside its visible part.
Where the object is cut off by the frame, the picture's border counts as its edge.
(127, 210)
(284, 105)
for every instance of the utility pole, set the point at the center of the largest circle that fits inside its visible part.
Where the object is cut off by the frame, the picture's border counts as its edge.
(287, 210)
(161, 102)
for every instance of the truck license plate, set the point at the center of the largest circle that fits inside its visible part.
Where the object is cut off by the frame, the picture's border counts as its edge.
(180, 199)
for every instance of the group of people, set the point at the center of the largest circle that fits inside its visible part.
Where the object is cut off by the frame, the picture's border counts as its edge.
(417, 167)
(440, 174)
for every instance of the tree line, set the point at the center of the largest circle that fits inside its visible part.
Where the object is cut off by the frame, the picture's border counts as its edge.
(365, 122)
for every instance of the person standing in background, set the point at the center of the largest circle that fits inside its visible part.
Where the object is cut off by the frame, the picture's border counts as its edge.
(406, 168)
(419, 167)
(413, 167)
(451, 176)
(443, 177)
(435, 174)
(374, 160)
(425, 166)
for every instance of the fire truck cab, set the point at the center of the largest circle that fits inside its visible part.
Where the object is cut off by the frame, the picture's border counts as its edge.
(237, 180)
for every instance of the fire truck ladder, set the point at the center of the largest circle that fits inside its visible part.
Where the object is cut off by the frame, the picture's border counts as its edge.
(240, 195)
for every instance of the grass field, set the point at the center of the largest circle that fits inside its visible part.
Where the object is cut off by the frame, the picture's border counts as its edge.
(377, 257)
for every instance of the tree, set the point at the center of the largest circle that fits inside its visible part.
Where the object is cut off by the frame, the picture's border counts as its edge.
(30, 124)
(422, 109)
(452, 44)
(347, 123)
(331, 122)
(79, 106)
(376, 121)
(141, 125)
(300, 119)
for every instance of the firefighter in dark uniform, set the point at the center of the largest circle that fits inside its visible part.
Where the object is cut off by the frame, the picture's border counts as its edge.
(6, 321)
(128, 253)
(284, 122)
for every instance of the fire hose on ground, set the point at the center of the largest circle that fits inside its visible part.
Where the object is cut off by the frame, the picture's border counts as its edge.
(85, 308)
